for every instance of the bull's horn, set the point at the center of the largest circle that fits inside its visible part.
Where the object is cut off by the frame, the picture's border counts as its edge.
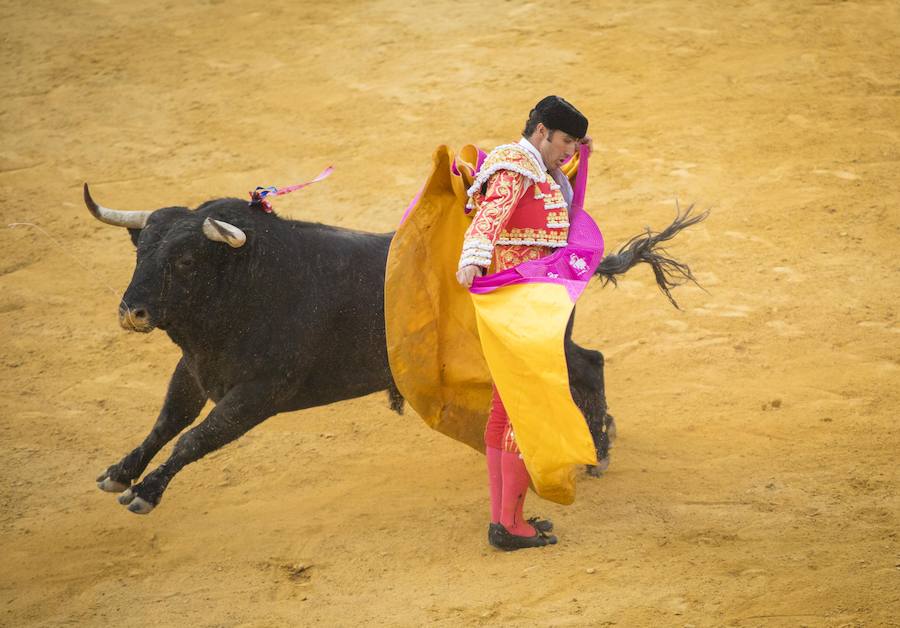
(131, 220)
(220, 231)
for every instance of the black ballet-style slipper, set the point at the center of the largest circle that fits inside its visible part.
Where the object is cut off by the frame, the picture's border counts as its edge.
(500, 538)
(492, 530)
(541, 525)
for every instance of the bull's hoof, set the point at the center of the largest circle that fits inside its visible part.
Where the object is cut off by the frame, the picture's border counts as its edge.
(109, 485)
(611, 430)
(140, 506)
(126, 497)
(602, 465)
(106, 483)
(135, 504)
(597, 470)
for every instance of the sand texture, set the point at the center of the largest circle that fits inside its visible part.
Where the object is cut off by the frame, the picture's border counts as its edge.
(755, 479)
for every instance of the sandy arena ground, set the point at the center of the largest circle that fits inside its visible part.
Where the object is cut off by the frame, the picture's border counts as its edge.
(755, 479)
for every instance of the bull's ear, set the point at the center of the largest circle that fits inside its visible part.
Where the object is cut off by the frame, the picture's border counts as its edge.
(135, 235)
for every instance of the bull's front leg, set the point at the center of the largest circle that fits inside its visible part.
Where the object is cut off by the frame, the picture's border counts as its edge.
(184, 401)
(243, 407)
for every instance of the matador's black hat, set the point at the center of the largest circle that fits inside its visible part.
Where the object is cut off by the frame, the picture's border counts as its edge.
(557, 113)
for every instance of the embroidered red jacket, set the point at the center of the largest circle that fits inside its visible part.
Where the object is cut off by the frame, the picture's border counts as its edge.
(520, 212)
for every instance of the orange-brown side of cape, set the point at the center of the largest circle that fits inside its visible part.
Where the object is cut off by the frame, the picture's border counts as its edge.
(433, 345)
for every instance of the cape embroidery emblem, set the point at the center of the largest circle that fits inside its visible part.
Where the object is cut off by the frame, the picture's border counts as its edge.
(578, 264)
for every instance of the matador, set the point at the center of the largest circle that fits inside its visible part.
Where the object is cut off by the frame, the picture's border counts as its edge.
(521, 201)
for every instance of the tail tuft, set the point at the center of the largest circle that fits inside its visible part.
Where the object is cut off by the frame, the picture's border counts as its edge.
(668, 272)
(396, 400)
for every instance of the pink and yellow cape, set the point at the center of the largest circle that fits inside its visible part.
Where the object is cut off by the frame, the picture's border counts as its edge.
(447, 345)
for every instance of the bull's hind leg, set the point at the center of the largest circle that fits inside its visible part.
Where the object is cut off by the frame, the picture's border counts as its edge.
(245, 406)
(183, 403)
(589, 393)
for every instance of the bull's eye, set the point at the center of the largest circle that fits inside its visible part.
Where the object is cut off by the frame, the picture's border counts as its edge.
(185, 263)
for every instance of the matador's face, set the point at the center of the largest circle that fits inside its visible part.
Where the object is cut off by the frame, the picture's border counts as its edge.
(556, 147)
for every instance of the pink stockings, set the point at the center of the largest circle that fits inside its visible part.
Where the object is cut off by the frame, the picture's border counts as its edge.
(507, 476)
(495, 480)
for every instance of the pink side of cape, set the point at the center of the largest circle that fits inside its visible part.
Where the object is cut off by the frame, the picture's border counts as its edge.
(571, 266)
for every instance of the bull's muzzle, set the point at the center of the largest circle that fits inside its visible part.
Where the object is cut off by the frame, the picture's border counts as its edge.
(135, 318)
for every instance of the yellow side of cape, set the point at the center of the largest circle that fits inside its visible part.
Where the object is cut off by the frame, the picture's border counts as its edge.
(433, 342)
(522, 329)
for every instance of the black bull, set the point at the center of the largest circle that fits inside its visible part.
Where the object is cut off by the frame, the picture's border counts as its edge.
(276, 315)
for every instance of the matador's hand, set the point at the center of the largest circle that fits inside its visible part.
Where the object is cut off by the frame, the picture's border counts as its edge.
(467, 274)
(590, 143)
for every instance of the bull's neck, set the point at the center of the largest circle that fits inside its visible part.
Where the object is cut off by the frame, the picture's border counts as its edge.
(216, 325)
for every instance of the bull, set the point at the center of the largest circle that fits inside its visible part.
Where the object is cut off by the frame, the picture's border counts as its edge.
(274, 315)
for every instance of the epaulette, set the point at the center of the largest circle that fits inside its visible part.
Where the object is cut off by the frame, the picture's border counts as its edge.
(507, 157)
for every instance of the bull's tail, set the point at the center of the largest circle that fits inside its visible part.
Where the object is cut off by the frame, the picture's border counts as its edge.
(396, 398)
(645, 248)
